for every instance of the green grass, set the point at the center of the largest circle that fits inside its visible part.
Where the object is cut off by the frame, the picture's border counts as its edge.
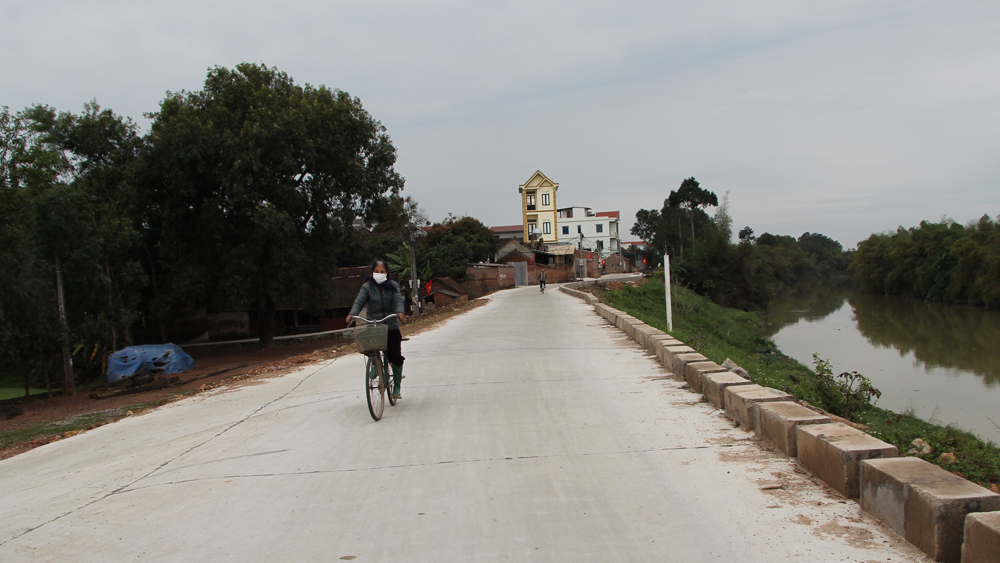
(15, 392)
(720, 333)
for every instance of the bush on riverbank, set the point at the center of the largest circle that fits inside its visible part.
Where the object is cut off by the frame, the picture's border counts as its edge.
(937, 261)
(720, 333)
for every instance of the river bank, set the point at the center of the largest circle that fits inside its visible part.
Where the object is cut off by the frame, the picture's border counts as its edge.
(720, 333)
(938, 361)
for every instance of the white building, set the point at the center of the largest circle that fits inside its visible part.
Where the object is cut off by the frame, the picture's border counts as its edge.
(589, 230)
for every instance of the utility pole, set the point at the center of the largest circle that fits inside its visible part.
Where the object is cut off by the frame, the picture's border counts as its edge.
(414, 282)
(69, 387)
(621, 265)
(666, 284)
(415, 231)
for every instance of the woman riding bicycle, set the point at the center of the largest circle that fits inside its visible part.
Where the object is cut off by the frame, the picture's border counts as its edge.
(382, 297)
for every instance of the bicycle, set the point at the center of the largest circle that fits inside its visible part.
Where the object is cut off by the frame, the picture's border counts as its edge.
(371, 341)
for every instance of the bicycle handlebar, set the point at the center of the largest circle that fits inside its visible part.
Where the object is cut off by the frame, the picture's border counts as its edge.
(370, 321)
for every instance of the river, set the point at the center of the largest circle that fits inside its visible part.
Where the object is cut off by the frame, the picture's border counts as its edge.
(940, 361)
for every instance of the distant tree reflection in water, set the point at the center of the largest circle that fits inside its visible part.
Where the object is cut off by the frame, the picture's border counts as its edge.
(938, 335)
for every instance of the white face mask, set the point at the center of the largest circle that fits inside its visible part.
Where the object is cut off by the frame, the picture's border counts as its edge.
(379, 278)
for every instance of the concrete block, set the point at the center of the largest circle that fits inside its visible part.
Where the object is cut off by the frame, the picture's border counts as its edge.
(694, 371)
(834, 452)
(660, 349)
(632, 326)
(673, 350)
(679, 362)
(666, 354)
(982, 538)
(651, 343)
(740, 401)
(775, 423)
(714, 385)
(923, 503)
(642, 334)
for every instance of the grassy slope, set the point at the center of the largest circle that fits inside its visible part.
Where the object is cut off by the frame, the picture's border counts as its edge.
(721, 333)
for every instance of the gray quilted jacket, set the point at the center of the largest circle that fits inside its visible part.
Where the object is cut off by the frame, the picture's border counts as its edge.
(380, 302)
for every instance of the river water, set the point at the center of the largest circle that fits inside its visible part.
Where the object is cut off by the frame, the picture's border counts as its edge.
(940, 361)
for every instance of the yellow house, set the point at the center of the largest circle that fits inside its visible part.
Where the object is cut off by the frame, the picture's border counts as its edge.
(538, 207)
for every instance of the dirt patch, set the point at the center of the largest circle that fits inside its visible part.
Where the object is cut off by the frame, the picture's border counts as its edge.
(854, 536)
(45, 420)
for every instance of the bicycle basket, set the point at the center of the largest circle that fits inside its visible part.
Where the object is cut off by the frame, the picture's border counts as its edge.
(371, 338)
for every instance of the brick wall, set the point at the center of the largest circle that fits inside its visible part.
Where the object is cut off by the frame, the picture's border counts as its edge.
(480, 280)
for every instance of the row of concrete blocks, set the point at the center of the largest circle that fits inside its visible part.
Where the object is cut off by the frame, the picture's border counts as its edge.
(931, 508)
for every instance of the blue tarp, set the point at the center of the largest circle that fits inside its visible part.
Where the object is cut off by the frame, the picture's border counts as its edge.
(153, 358)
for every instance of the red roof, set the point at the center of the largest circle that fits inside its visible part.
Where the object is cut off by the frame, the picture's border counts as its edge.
(612, 214)
(509, 229)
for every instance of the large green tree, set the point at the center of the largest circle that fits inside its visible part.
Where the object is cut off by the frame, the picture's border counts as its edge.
(692, 196)
(29, 333)
(455, 242)
(253, 182)
(68, 216)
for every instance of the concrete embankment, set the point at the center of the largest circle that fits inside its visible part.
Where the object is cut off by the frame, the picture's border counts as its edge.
(946, 516)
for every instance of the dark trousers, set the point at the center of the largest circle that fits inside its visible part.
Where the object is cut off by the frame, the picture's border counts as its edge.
(394, 347)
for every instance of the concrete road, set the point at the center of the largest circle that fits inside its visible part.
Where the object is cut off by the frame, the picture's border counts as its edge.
(530, 430)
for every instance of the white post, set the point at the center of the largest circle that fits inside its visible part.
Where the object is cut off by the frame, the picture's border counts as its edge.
(666, 283)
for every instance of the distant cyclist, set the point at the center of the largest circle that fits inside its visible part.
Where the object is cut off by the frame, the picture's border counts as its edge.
(541, 280)
(382, 297)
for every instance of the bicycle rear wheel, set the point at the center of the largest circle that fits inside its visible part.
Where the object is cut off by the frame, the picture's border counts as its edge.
(375, 385)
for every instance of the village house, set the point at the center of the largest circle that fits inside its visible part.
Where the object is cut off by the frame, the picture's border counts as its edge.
(538, 208)
(587, 230)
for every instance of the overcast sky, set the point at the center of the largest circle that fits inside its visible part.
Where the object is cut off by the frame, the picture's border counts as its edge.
(844, 118)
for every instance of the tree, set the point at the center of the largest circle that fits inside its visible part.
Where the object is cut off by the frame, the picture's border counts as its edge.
(722, 220)
(254, 181)
(29, 332)
(692, 196)
(397, 213)
(93, 223)
(455, 242)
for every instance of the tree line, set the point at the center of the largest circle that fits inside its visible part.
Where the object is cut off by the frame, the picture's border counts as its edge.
(745, 274)
(942, 261)
(241, 196)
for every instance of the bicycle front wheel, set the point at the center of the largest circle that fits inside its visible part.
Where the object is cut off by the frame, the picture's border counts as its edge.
(375, 385)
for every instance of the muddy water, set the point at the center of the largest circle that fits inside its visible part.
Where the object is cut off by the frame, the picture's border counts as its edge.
(941, 361)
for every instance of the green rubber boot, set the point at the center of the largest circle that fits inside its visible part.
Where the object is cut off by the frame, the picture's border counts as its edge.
(397, 379)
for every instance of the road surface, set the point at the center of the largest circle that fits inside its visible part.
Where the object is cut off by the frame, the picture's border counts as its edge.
(530, 430)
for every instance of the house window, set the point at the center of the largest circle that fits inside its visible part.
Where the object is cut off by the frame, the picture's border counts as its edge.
(529, 200)
(579, 229)
(565, 229)
(531, 228)
(545, 199)
(600, 227)
(546, 228)
(600, 243)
